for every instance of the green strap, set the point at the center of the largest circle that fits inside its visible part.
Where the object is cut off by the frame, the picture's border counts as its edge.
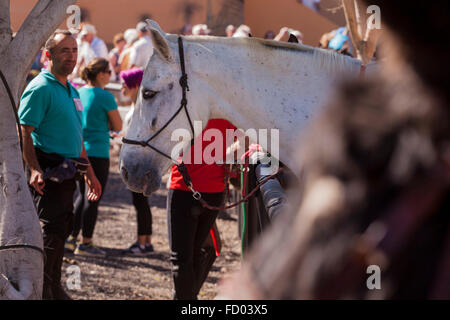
(243, 215)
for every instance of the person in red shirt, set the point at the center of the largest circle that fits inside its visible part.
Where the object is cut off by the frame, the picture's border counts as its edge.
(188, 222)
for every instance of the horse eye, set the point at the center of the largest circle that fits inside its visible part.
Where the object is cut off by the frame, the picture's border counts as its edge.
(148, 94)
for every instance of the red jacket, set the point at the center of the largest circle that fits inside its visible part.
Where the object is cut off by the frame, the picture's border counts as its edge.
(205, 177)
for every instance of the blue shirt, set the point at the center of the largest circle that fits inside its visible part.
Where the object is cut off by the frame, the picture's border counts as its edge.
(97, 103)
(51, 108)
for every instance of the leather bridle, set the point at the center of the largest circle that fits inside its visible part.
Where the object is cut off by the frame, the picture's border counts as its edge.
(183, 105)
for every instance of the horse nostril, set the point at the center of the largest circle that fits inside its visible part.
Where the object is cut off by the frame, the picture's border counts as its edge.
(125, 173)
(148, 175)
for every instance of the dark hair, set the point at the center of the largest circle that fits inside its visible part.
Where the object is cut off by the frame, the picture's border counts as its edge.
(50, 44)
(94, 67)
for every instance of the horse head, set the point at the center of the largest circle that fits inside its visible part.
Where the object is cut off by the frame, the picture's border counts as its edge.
(157, 121)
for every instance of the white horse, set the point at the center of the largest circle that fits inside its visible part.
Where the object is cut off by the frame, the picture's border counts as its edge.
(252, 83)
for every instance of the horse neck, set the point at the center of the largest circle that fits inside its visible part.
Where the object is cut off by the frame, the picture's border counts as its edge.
(255, 86)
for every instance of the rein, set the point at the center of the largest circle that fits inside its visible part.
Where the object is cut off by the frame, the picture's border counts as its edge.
(181, 166)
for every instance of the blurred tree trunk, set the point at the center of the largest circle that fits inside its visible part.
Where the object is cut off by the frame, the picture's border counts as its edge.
(231, 12)
(21, 269)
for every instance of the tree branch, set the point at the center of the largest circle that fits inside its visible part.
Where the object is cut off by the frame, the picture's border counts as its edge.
(364, 39)
(45, 17)
(360, 18)
(370, 41)
(5, 25)
(352, 24)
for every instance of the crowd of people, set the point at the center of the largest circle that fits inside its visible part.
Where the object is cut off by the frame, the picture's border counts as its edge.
(336, 40)
(68, 119)
(133, 47)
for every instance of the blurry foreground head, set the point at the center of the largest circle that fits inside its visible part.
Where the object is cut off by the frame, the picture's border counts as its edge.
(419, 30)
(372, 221)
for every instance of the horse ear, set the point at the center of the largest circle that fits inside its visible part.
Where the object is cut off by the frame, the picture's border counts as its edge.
(292, 38)
(159, 39)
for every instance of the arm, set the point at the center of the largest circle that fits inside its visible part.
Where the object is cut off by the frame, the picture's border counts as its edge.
(94, 186)
(103, 50)
(132, 57)
(284, 32)
(114, 63)
(29, 155)
(115, 120)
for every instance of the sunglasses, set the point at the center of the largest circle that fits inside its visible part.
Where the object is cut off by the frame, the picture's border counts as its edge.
(107, 71)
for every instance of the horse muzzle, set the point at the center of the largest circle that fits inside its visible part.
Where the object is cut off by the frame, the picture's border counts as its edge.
(138, 178)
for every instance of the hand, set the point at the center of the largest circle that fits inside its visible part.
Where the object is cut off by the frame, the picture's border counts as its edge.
(94, 186)
(116, 134)
(284, 32)
(37, 181)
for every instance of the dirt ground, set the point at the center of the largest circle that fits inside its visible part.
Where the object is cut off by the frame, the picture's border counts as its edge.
(117, 277)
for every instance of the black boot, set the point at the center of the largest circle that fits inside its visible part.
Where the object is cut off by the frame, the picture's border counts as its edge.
(207, 258)
(50, 244)
(57, 289)
(47, 293)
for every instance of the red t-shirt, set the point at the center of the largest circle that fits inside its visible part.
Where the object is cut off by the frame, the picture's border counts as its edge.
(205, 177)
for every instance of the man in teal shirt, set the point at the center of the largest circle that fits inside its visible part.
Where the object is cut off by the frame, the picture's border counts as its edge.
(50, 117)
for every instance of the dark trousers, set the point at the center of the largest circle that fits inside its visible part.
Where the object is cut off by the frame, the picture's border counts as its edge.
(189, 225)
(55, 206)
(86, 211)
(144, 214)
(55, 210)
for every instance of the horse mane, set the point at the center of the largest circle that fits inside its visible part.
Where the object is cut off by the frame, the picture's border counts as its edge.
(324, 60)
